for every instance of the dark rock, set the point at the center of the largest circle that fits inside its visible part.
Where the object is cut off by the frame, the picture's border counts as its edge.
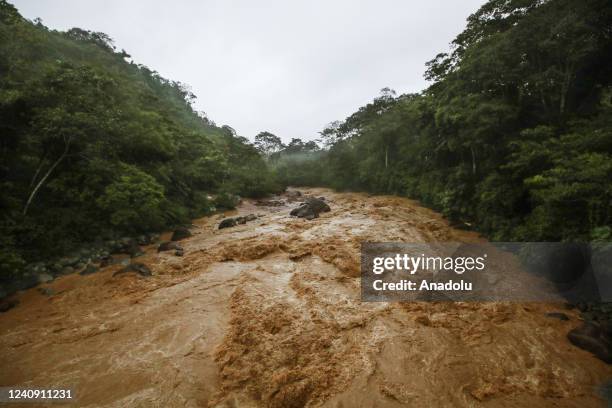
(558, 315)
(6, 305)
(251, 217)
(67, 270)
(180, 233)
(179, 252)
(133, 249)
(568, 261)
(269, 203)
(592, 338)
(27, 281)
(44, 278)
(46, 291)
(89, 269)
(227, 223)
(139, 268)
(241, 220)
(68, 261)
(168, 246)
(310, 209)
(106, 260)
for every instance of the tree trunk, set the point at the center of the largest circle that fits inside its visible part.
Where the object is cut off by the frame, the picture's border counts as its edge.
(564, 89)
(386, 156)
(41, 163)
(473, 160)
(45, 177)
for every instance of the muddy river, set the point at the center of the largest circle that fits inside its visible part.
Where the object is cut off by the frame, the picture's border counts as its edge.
(268, 314)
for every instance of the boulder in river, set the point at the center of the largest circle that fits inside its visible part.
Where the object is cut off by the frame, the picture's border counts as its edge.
(139, 268)
(180, 233)
(168, 246)
(591, 337)
(89, 269)
(310, 209)
(227, 223)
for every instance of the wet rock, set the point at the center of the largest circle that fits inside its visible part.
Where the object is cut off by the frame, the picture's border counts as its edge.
(310, 209)
(89, 269)
(179, 252)
(168, 246)
(139, 268)
(251, 217)
(557, 315)
(269, 203)
(227, 223)
(591, 337)
(27, 281)
(133, 249)
(293, 193)
(241, 220)
(106, 260)
(6, 305)
(68, 261)
(67, 270)
(46, 291)
(44, 278)
(180, 233)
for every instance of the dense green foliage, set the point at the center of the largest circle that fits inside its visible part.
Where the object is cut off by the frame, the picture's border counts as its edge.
(93, 145)
(514, 136)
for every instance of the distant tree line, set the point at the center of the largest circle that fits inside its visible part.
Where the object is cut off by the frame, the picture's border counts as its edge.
(514, 135)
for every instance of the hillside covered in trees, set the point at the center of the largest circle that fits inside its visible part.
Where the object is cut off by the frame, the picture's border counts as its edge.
(513, 137)
(94, 146)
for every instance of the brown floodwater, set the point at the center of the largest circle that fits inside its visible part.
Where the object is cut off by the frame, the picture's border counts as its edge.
(268, 314)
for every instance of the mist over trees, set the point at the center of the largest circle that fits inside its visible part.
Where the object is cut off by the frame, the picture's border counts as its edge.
(513, 137)
(94, 145)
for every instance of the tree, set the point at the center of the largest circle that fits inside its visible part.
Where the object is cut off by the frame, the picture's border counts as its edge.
(268, 143)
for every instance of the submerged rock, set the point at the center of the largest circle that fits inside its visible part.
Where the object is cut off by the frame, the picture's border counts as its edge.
(557, 315)
(180, 233)
(168, 246)
(139, 268)
(591, 337)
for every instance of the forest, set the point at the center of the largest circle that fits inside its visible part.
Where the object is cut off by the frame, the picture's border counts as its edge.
(95, 146)
(513, 137)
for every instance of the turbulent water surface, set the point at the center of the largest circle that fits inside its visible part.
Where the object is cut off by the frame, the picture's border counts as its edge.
(269, 314)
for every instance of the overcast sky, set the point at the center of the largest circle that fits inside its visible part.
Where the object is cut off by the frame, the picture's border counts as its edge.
(289, 67)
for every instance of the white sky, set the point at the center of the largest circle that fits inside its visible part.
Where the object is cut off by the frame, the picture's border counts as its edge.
(288, 67)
